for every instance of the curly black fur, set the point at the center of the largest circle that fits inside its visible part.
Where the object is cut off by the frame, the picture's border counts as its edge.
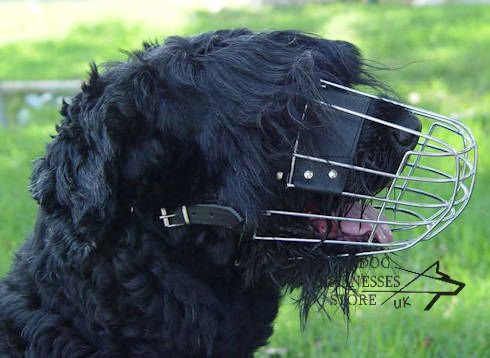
(208, 118)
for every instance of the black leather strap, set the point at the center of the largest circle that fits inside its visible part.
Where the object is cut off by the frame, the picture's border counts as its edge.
(337, 142)
(202, 214)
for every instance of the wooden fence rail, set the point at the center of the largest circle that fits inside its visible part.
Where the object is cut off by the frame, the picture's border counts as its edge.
(51, 86)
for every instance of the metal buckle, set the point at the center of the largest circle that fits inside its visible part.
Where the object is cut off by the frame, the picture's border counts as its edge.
(166, 217)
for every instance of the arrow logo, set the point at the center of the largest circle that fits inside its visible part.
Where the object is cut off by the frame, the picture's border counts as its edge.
(443, 278)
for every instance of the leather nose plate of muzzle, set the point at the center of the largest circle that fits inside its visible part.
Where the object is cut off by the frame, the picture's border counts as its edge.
(336, 141)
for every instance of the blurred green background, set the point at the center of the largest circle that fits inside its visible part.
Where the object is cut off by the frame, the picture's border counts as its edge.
(442, 54)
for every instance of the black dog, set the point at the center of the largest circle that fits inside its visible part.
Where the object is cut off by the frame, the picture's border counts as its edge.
(209, 119)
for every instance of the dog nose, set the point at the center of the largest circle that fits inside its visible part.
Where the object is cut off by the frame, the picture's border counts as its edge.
(404, 139)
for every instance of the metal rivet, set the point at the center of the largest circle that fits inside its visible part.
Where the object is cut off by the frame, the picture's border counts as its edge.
(332, 174)
(308, 174)
(279, 175)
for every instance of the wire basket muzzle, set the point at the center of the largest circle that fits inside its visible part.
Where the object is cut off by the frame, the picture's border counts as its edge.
(430, 189)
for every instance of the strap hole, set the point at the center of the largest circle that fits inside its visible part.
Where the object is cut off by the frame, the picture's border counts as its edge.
(211, 214)
(193, 213)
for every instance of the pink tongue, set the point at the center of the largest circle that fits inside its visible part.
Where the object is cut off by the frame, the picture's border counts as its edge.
(382, 234)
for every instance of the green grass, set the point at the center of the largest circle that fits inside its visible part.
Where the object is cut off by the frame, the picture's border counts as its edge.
(443, 54)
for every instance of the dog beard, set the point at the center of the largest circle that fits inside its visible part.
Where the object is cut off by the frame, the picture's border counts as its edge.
(313, 273)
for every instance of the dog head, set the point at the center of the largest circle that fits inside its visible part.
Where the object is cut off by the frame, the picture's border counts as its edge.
(215, 119)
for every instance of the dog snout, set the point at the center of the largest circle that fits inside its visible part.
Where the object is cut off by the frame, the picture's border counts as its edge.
(403, 139)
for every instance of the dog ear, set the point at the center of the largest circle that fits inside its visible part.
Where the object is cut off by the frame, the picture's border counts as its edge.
(76, 177)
